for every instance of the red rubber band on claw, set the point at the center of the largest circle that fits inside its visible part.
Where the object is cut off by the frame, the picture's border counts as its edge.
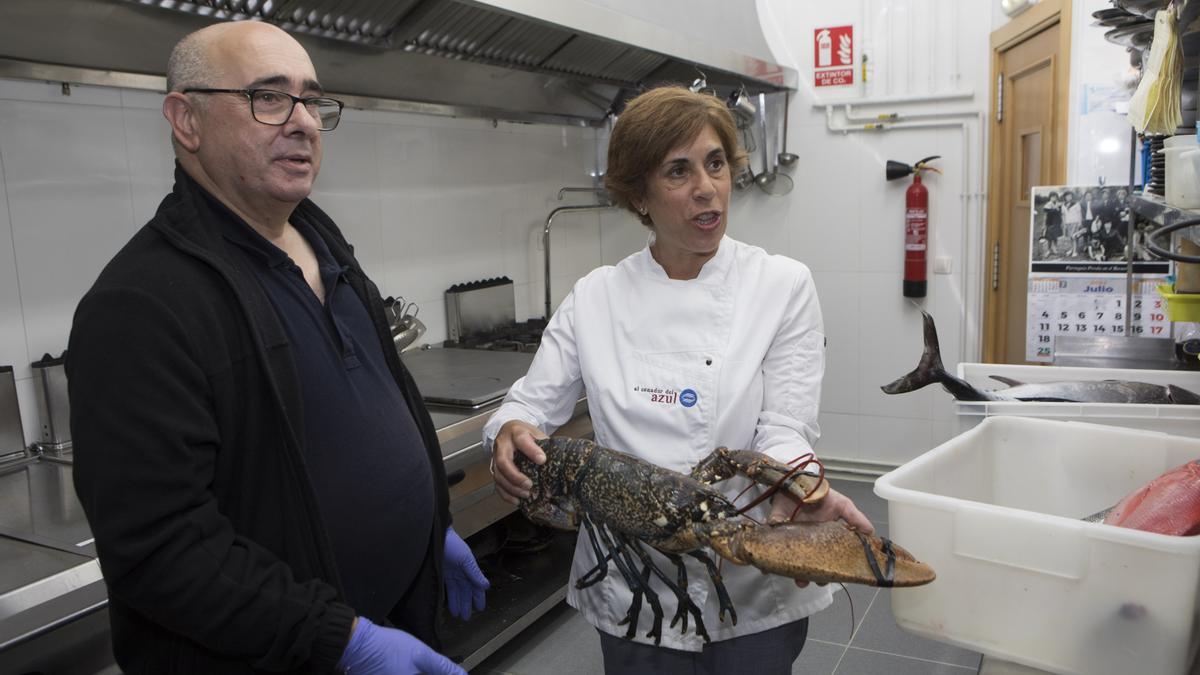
(802, 462)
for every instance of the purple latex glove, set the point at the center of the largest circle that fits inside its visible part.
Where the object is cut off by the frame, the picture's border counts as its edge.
(464, 582)
(374, 650)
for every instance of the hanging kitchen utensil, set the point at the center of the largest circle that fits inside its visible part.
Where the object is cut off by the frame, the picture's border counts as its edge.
(771, 182)
(700, 84)
(764, 178)
(743, 112)
(783, 182)
(741, 107)
(786, 158)
(744, 178)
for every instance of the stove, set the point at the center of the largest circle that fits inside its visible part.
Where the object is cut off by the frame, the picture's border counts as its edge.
(518, 336)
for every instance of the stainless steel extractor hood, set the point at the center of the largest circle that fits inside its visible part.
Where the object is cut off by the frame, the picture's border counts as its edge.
(550, 60)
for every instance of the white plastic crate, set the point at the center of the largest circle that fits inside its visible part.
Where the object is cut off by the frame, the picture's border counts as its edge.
(1182, 420)
(996, 511)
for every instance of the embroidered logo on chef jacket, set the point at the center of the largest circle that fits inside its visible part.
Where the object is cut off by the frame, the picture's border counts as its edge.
(664, 396)
(688, 398)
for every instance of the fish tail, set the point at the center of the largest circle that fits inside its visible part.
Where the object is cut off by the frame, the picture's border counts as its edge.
(930, 371)
(1181, 396)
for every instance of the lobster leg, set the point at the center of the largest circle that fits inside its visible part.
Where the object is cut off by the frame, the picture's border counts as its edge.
(681, 582)
(723, 463)
(635, 606)
(639, 584)
(597, 573)
(631, 580)
(685, 602)
(722, 592)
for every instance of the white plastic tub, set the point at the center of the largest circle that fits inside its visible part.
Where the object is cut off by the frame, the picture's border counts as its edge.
(1182, 420)
(996, 512)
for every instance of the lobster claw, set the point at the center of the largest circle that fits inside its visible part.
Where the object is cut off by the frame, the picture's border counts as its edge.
(823, 553)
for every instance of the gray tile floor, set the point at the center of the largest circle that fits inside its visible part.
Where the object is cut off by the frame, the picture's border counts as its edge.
(561, 642)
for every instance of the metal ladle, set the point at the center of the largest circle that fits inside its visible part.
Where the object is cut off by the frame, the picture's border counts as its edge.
(771, 182)
(786, 158)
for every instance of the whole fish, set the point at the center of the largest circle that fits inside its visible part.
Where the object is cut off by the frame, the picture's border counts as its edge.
(930, 371)
(1169, 504)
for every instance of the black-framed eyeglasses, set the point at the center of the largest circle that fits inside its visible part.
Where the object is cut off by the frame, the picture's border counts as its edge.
(269, 106)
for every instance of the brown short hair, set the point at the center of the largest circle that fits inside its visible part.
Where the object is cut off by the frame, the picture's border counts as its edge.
(652, 124)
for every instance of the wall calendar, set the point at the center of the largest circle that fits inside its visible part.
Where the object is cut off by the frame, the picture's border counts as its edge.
(1089, 306)
(1078, 265)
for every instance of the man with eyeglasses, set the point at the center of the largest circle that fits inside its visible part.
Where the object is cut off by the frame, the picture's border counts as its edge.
(265, 487)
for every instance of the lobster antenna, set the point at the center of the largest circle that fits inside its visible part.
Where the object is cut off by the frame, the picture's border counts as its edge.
(851, 599)
(820, 479)
(801, 463)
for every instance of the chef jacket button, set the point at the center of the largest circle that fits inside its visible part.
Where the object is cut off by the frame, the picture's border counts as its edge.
(708, 361)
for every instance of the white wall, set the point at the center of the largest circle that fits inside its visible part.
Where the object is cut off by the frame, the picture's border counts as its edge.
(698, 19)
(1098, 133)
(426, 201)
(846, 222)
(999, 18)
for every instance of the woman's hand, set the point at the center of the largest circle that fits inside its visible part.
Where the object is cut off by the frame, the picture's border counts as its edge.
(515, 435)
(835, 506)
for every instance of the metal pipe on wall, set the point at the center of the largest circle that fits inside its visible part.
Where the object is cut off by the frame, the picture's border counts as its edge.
(903, 98)
(981, 198)
(546, 237)
(900, 116)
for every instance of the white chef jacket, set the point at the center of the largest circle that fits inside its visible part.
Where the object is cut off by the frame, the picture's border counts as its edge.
(672, 370)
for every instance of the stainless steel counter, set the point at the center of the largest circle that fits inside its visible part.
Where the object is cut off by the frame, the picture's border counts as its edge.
(49, 576)
(460, 432)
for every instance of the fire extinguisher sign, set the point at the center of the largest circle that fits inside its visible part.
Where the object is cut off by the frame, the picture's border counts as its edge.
(833, 56)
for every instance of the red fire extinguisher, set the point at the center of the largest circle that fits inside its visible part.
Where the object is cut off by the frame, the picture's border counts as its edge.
(916, 223)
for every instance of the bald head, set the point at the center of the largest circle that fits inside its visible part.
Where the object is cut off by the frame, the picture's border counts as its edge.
(259, 169)
(211, 53)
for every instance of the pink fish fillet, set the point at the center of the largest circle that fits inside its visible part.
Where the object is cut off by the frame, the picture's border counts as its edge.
(1169, 504)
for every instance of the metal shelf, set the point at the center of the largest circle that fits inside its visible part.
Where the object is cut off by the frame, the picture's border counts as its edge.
(1156, 209)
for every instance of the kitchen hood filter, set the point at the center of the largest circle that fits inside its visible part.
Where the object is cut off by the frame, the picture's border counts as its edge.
(446, 28)
(454, 30)
(362, 21)
(538, 61)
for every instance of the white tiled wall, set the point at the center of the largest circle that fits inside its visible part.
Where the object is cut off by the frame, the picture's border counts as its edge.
(426, 201)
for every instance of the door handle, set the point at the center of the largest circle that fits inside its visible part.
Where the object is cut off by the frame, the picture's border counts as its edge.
(996, 266)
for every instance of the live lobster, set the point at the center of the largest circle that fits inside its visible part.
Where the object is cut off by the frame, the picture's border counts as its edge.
(625, 503)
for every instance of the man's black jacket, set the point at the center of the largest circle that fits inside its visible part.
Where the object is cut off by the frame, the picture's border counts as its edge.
(185, 414)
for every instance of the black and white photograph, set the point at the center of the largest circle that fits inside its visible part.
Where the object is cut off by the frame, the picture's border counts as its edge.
(1085, 230)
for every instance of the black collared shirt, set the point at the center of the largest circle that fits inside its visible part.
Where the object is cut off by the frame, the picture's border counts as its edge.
(362, 449)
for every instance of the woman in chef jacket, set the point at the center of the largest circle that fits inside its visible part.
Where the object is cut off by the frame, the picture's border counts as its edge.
(694, 342)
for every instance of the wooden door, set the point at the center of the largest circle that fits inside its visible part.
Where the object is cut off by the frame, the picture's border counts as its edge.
(1028, 148)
